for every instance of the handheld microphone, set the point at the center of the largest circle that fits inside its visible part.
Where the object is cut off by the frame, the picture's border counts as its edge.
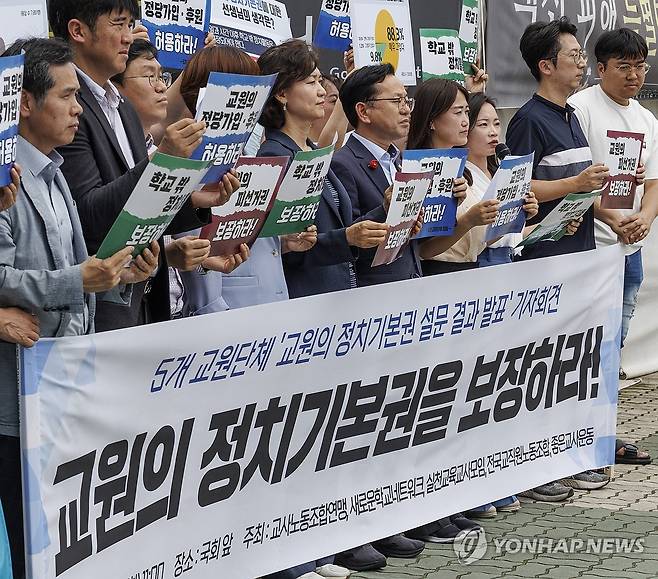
(502, 150)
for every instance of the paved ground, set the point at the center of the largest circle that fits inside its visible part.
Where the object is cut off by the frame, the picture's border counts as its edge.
(626, 509)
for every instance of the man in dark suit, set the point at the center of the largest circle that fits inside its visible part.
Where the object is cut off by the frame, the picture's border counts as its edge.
(108, 155)
(376, 104)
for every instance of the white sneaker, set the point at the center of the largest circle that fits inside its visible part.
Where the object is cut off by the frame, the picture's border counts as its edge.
(310, 575)
(629, 382)
(331, 570)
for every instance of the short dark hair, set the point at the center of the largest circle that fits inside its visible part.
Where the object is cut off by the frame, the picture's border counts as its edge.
(139, 48)
(622, 43)
(40, 55)
(293, 60)
(433, 98)
(361, 86)
(61, 12)
(541, 41)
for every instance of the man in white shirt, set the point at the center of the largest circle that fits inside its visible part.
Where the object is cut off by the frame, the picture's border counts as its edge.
(611, 105)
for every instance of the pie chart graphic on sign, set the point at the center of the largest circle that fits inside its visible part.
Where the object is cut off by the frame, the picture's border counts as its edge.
(387, 38)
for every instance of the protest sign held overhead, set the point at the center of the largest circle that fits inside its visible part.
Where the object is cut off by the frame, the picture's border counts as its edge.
(250, 26)
(22, 19)
(241, 218)
(296, 203)
(469, 33)
(441, 54)
(382, 33)
(440, 207)
(161, 192)
(623, 153)
(334, 30)
(11, 84)
(510, 185)
(409, 192)
(176, 29)
(230, 106)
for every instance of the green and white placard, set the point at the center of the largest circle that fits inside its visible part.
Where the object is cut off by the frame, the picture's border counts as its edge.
(469, 33)
(554, 225)
(162, 190)
(441, 54)
(296, 203)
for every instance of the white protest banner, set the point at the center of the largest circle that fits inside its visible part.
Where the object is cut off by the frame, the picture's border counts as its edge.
(250, 25)
(409, 192)
(240, 443)
(469, 33)
(177, 31)
(11, 84)
(242, 217)
(510, 185)
(622, 158)
(22, 19)
(231, 106)
(440, 207)
(554, 225)
(334, 30)
(162, 190)
(296, 203)
(382, 33)
(441, 54)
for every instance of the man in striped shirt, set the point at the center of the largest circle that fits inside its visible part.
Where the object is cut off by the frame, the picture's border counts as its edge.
(547, 125)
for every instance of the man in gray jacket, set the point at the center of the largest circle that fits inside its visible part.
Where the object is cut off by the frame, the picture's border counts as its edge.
(44, 267)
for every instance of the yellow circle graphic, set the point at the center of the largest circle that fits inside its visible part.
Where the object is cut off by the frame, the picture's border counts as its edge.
(388, 39)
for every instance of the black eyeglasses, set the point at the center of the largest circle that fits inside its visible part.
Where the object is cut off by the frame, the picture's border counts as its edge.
(409, 102)
(165, 78)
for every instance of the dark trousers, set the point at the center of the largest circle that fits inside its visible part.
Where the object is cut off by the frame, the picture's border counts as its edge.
(432, 267)
(11, 495)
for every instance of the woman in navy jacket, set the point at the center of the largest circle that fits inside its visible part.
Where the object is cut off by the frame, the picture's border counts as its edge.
(297, 101)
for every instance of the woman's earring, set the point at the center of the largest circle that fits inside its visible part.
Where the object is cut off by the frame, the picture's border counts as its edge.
(431, 126)
(285, 107)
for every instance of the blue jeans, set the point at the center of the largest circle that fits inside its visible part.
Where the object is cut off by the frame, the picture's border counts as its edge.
(495, 256)
(633, 277)
(5, 557)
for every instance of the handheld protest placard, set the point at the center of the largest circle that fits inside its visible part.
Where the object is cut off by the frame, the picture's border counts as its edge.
(440, 207)
(241, 219)
(409, 192)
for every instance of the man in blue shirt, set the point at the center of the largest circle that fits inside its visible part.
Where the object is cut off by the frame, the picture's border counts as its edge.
(547, 125)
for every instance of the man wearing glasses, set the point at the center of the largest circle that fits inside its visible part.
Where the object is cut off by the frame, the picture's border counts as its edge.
(377, 106)
(108, 154)
(611, 105)
(548, 126)
(145, 86)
